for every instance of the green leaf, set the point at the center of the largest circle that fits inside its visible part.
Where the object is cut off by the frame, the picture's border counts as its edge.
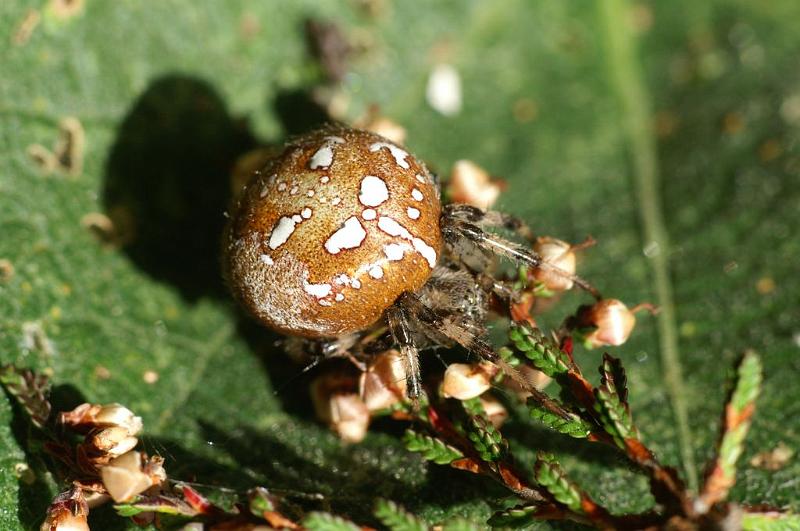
(318, 521)
(772, 521)
(542, 351)
(552, 477)
(395, 518)
(574, 426)
(431, 448)
(168, 93)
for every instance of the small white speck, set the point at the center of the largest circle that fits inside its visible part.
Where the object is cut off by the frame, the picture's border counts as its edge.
(337, 139)
(349, 236)
(355, 284)
(281, 232)
(317, 290)
(322, 158)
(322, 199)
(297, 218)
(373, 191)
(412, 212)
(323, 302)
(310, 193)
(306, 213)
(293, 190)
(398, 154)
(281, 187)
(264, 191)
(369, 214)
(443, 92)
(336, 201)
(265, 258)
(376, 272)
(341, 279)
(652, 249)
(417, 195)
(339, 297)
(420, 179)
(324, 179)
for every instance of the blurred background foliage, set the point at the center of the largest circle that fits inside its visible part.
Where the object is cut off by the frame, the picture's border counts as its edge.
(667, 130)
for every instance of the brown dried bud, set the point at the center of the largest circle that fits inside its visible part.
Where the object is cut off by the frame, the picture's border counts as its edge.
(495, 411)
(557, 253)
(86, 417)
(612, 320)
(464, 381)
(68, 512)
(384, 383)
(380, 125)
(471, 184)
(536, 378)
(111, 442)
(340, 407)
(123, 477)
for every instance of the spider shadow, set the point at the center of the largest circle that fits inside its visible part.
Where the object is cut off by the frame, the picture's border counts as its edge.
(168, 186)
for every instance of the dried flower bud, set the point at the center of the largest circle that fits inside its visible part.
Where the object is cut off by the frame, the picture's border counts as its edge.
(111, 442)
(464, 381)
(68, 512)
(471, 184)
(86, 417)
(495, 411)
(382, 126)
(384, 383)
(612, 322)
(123, 477)
(336, 404)
(557, 253)
(536, 378)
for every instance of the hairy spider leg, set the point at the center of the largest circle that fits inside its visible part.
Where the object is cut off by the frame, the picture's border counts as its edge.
(491, 218)
(474, 345)
(454, 227)
(400, 328)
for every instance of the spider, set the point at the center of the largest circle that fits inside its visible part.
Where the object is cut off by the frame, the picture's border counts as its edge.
(342, 242)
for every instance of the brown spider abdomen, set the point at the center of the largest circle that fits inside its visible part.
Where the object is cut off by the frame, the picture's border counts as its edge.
(331, 232)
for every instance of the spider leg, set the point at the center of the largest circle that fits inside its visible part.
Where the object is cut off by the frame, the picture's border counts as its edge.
(454, 229)
(490, 218)
(400, 328)
(472, 343)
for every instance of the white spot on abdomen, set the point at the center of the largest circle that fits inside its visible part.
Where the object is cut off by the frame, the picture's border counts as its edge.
(348, 237)
(369, 214)
(394, 251)
(317, 290)
(376, 272)
(322, 158)
(373, 191)
(412, 212)
(417, 195)
(398, 154)
(266, 259)
(393, 228)
(281, 232)
(306, 213)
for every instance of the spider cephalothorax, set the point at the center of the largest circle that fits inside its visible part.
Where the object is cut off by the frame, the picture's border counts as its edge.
(344, 233)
